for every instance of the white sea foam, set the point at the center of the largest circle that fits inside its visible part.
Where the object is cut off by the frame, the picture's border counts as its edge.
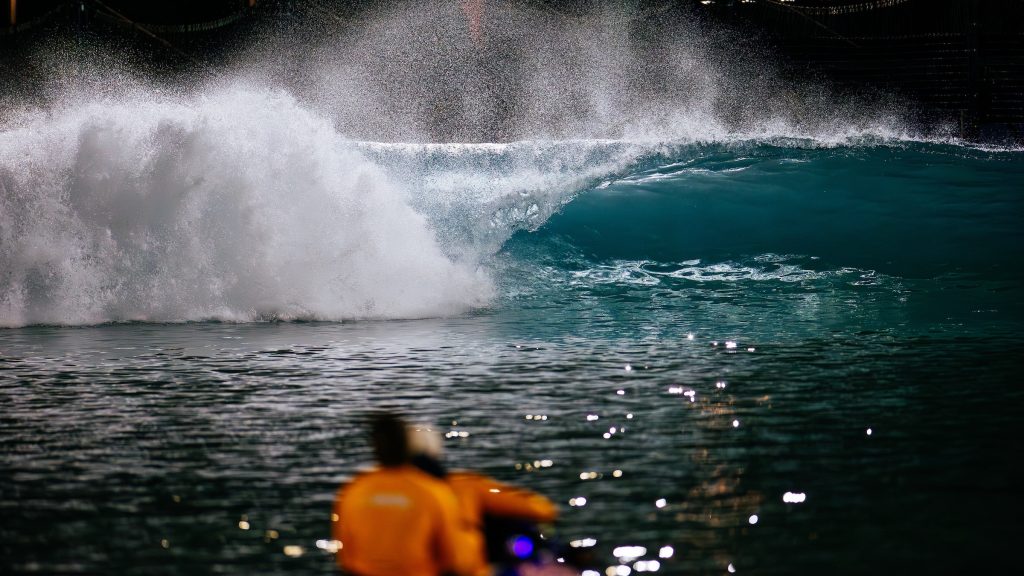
(237, 205)
(413, 73)
(764, 268)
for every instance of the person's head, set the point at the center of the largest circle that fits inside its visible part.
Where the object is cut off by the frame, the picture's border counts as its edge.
(389, 437)
(423, 439)
(425, 450)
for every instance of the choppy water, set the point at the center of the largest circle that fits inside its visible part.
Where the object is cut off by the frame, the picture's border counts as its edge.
(723, 324)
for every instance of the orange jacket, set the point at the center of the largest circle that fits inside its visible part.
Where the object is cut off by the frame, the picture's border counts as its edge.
(479, 495)
(398, 521)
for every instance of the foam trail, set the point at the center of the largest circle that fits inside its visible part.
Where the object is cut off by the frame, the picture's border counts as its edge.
(237, 205)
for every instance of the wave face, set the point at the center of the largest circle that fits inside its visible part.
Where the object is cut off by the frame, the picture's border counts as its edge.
(905, 236)
(237, 206)
(908, 208)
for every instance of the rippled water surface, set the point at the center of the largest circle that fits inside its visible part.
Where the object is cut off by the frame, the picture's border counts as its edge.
(141, 448)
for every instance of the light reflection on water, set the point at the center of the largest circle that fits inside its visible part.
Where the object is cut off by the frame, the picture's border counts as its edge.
(217, 447)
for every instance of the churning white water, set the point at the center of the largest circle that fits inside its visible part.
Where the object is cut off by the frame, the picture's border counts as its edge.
(236, 205)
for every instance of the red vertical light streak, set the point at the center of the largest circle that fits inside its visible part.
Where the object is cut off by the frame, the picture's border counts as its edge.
(474, 11)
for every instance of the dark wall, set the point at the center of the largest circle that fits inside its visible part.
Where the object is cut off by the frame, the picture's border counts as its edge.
(143, 11)
(960, 61)
(27, 10)
(177, 11)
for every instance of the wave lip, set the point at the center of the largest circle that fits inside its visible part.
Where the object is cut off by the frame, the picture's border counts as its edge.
(238, 206)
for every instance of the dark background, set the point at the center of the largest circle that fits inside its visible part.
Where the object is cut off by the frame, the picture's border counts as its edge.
(959, 62)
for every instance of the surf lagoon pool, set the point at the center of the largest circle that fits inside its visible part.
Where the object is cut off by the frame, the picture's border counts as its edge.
(729, 324)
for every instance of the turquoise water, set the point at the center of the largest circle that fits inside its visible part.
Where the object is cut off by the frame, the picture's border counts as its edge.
(772, 356)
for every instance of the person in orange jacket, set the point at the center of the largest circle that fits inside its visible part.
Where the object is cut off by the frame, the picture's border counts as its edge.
(480, 498)
(396, 519)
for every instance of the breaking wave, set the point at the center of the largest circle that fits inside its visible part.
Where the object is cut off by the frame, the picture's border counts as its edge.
(348, 179)
(236, 206)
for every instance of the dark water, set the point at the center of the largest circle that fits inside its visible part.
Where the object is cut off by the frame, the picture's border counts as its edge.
(752, 320)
